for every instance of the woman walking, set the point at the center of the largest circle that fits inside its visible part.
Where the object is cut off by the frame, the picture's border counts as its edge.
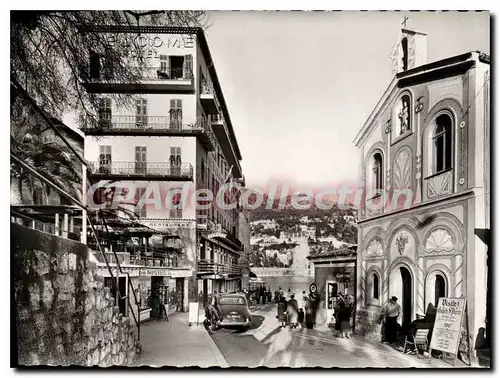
(292, 310)
(282, 305)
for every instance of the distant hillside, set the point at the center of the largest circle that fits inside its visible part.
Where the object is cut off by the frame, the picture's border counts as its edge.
(314, 224)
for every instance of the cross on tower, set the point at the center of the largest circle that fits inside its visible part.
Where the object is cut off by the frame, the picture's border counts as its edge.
(405, 20)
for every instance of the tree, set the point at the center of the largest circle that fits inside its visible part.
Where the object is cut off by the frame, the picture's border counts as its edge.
(51, 159)
(50, 53)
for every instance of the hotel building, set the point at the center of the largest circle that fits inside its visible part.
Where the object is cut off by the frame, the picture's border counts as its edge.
(174, 133)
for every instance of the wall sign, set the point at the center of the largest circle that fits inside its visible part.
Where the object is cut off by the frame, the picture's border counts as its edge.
(149, 43)
(448, 325)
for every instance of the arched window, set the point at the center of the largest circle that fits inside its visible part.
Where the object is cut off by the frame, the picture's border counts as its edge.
(439, 288)
(442, 144)
(404, 47)
(377, 167)
(376, 288)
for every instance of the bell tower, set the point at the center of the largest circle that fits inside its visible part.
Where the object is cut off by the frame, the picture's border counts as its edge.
(410, 50)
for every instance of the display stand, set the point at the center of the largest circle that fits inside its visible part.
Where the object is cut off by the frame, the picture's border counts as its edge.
(447, 331)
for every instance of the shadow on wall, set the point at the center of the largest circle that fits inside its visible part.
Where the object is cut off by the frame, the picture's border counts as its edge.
(64, 314)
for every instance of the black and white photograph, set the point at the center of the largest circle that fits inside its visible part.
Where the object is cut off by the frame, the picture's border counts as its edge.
(250, 189)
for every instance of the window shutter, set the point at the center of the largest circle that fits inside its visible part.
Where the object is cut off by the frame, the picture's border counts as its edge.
(188, 66)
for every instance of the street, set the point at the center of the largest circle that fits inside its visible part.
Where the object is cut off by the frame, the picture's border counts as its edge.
(305, 348)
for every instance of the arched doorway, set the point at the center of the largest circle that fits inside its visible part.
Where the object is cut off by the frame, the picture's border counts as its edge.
(407, 296)
(401, 286)
(439, 288)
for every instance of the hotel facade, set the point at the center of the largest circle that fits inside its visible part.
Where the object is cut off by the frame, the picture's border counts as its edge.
(429, 137)
(174, 136)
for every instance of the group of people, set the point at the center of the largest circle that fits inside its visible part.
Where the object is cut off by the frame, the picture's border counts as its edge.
(297, 313)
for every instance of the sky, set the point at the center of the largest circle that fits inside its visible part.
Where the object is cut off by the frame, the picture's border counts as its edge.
(300, 85)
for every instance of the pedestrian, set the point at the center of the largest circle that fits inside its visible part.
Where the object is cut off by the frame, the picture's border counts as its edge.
(344, 320)
(338, 316)
(276, 296)
(263, 294)
(292, 310)
(282, 307)
(391, 312)
(269, 295)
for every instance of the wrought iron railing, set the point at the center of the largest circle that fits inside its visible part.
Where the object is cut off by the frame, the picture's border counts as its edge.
(141, 122)
(184, 170)
(163, 74)
(217, 268)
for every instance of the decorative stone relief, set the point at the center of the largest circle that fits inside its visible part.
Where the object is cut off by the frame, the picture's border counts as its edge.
(374, 248)
(402, 170)
(401, 242)
(419, 104)
(418, 165)
(439, 241)
(439, 185)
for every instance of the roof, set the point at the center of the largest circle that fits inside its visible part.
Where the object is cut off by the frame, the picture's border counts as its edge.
(404, 76)
(344, 253)
(200, 34)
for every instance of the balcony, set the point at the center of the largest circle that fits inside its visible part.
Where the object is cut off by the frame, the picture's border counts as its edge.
(134, 125)
(218, 120)
(211, 267)
(175, 80)
(143, 171)
(208, 98)
(226, 237)
(202, 221)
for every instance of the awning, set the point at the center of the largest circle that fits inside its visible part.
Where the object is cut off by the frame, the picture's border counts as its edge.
(252, 274)
(483, 234)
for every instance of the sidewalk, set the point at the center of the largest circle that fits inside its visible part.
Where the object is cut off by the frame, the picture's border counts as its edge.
(177, 344)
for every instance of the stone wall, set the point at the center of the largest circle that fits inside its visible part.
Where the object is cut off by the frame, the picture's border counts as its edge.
(64, 314)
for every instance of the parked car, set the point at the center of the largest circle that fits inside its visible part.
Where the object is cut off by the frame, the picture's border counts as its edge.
(234, 311)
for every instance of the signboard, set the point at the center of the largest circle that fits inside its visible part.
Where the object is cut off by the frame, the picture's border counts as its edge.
(165, 273)
(104, 271)
(448, 325)
(193, 312)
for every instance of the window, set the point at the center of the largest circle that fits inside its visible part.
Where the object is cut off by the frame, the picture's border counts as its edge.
(140, 208)
(188, 67)
(376, 286)
(404, 47)
(95, 66)
(140, 160)
(442, 143)
(108, 69)
(38, 196)
(105, 111)
(175, 160)
(104, 158)
(176, 114)
(202, 175)
(176, 66)
(377, 171)
(141, 112)
(176, 206)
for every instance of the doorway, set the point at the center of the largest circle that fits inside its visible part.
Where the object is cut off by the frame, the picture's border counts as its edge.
(179, 294)
(406, 296)
(439, 289)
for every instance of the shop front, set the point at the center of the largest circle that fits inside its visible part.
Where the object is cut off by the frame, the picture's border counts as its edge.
(335, 276)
